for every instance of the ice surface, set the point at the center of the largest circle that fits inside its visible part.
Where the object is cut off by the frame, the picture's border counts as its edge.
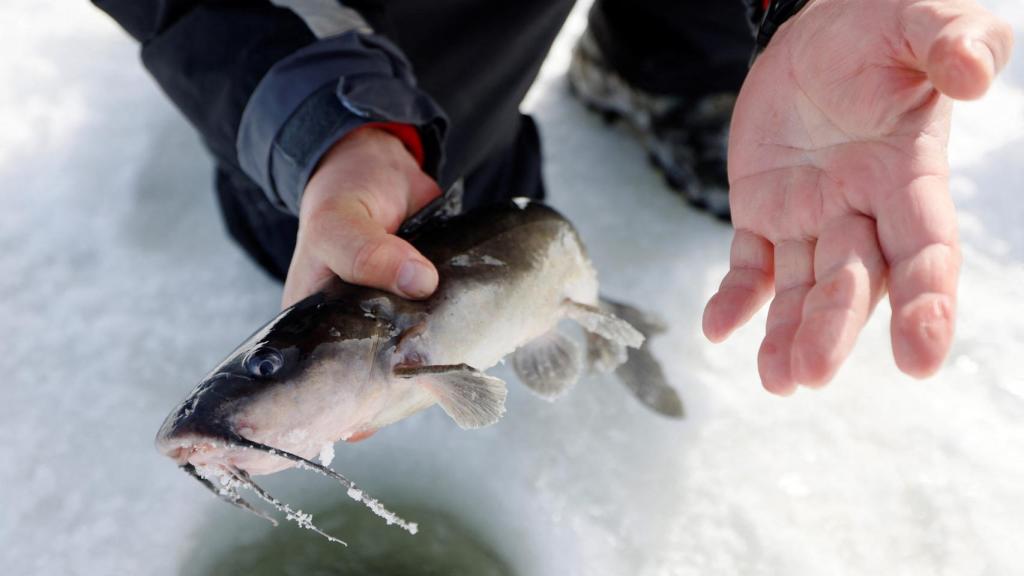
(119, 290)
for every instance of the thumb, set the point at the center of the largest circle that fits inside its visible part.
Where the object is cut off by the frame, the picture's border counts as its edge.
(959, 44)
(361, 251)
(348, 242)
(361, 191)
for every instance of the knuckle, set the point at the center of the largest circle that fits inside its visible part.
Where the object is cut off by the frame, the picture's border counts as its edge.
(370, 262)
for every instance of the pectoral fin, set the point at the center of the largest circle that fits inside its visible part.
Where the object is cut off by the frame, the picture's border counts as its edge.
(548, 365)
(472, 398)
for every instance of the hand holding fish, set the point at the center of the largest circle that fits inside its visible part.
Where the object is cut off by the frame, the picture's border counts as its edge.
(363, 190)
(838, 174)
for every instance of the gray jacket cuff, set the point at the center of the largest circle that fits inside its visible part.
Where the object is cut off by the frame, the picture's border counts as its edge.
(315, 96)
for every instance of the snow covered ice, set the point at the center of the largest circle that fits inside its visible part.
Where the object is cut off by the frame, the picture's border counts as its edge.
(119, 289)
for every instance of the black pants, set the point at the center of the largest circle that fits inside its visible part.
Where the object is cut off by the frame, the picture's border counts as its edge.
(479, 57)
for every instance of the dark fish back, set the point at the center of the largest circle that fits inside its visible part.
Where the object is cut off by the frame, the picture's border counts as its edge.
(511, 235)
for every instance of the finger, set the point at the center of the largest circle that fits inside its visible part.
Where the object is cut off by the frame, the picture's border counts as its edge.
(745, 288)
(794, 276)
(918, 235)
(849, 279)
(959, 44)
(360, 250)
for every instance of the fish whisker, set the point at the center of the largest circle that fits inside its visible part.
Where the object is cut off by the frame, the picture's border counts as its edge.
(226, 493)
(301, 518)
(353, 491)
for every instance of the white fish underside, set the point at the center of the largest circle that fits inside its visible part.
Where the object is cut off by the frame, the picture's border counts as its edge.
(481, 326)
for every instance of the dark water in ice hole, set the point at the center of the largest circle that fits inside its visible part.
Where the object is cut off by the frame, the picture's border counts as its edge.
(443, 547)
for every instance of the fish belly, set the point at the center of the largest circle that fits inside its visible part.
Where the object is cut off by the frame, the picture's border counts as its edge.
(480, 323)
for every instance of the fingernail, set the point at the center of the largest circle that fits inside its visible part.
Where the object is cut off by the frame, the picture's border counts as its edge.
(416, 279)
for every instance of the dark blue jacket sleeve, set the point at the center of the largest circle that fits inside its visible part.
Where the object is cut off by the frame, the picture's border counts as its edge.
(313, 97)
(267, 95)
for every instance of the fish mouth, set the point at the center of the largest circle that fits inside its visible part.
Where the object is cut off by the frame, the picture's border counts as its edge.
(199, 436)
(186, 450)
(180, 454)
(185, 443)
(198, 421)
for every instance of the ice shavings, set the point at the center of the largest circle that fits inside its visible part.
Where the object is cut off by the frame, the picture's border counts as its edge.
(355, 493)
(491, 261)
(379, 509)
(327, 454)
(467, 260)
(301, 518)
(296, 436)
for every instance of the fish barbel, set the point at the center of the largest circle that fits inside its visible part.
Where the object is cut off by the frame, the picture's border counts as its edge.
(349, 360)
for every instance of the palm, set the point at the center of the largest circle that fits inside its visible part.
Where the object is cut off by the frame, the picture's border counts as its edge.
(838, 171)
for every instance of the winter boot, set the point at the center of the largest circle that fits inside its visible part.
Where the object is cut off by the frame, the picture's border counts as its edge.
(686, 138)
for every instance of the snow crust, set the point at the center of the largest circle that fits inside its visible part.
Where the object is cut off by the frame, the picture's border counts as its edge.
(119, 290)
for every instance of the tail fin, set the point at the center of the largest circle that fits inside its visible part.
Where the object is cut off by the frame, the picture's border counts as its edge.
(637, 368)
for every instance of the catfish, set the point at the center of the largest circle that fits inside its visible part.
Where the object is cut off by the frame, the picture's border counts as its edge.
(349, 360)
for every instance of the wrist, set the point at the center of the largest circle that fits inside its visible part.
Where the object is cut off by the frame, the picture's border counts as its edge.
(360, 158)
(407, 134)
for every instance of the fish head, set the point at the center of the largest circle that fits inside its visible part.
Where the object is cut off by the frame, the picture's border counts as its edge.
(240, 400)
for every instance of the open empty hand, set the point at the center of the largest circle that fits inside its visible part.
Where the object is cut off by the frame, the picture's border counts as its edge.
(838, 173)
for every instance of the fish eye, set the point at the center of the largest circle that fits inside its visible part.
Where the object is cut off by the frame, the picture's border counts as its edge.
(264, 362)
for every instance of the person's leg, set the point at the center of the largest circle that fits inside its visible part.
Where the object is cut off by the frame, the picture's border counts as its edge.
(264, 232)
(672, 70)
(675, 47)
